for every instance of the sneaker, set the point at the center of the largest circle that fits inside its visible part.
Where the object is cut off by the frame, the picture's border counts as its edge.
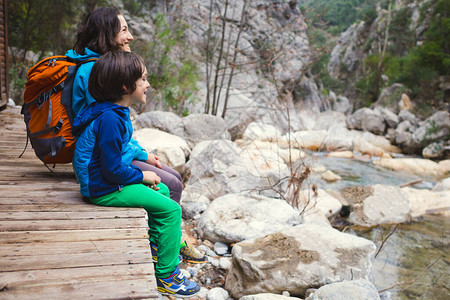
(177, 285)
(192, 255)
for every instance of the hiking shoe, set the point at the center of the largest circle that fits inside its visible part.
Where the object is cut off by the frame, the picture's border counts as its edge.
(192, 255)
(177, 285)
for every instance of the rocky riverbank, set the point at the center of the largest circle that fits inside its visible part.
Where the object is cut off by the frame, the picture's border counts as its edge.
(273, 235)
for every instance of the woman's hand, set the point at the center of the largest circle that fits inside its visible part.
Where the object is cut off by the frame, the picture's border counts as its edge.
(153, 160)
(151, 179)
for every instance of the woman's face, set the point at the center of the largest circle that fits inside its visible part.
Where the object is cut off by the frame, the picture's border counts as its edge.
(141, 88)
(124, 37)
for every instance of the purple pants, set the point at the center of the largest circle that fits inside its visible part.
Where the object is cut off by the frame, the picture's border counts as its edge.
(168, 176)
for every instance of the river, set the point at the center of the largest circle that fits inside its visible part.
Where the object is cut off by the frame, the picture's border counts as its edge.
(414, 260)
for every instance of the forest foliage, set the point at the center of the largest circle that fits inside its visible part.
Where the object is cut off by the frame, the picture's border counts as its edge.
(420, 66)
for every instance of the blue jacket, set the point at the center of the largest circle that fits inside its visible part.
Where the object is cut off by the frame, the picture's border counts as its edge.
(80, 93)
(103, 152)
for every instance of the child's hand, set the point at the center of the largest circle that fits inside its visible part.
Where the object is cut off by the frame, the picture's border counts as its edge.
(151, 179)
(153, 160)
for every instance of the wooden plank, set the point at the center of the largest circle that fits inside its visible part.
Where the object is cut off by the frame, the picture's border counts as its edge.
(51, 200)
(11, 191)
(45, 225)
(126, 289)
(72, 235)
(71, 215)
(14, 263)
(55, 248)
(61, 207)
(23, 279)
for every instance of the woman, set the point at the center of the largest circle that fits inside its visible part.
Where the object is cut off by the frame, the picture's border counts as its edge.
(104, 30)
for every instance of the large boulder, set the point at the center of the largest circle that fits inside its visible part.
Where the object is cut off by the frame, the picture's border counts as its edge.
(434, 129)
(162, 120)
(416, 166)
(288, 155)
(171, 149)
(307, 139)
(262, 132)
(220, 167)
(320, 199)
(391, 96)
(424, 202)
(233, 218)
(296, 259)
(201, 127)
(386, 205)
(346, 290)
(367, 120)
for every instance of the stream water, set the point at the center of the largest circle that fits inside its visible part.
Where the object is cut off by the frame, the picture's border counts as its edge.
(414, 262)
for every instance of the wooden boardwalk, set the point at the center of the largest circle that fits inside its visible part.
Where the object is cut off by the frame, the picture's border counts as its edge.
(53, 245)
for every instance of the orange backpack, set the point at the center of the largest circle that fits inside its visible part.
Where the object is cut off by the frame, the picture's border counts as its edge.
(47, 108)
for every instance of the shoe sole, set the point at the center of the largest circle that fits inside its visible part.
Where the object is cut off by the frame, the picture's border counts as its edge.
(168, 293)
(195, 261)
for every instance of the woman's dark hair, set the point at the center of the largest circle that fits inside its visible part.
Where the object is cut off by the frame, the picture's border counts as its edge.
(99, 31)
(114, 75)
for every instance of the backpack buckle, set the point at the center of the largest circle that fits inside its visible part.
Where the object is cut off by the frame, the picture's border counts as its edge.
(43, 98)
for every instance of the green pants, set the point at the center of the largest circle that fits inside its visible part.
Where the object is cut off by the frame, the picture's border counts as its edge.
(164, 220)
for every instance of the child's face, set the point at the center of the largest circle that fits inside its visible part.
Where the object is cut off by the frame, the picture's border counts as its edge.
(141, 88)
(124, 37)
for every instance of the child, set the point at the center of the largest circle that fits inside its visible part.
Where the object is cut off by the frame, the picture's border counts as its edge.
(105, 29)
(104, 168)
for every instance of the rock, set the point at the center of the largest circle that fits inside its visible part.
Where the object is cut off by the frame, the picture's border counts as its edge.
(225, 263)
(233, 218)
(389, 117)
(443, 185)
(324, 202)
(207, 250)
(261, 131)
(193, 203)
(217, 293)
(171, 149)
(416, 166)
(341, 154)
(346, 56)
(434, 150)
(367, 120)
(367, 148)
(433, 129)
(328, 119)
(220, 248)
(346, 290)
(312, 255)
(267, 296)
(427, 202)
(220, 167)
(405, 115)
(288, 155)
(390, 97)
(405, 103)
(374, 211)
(339, 138)
(312, 139)
(161, 120)
(201, 127)
(330, 176)
(342, 105)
